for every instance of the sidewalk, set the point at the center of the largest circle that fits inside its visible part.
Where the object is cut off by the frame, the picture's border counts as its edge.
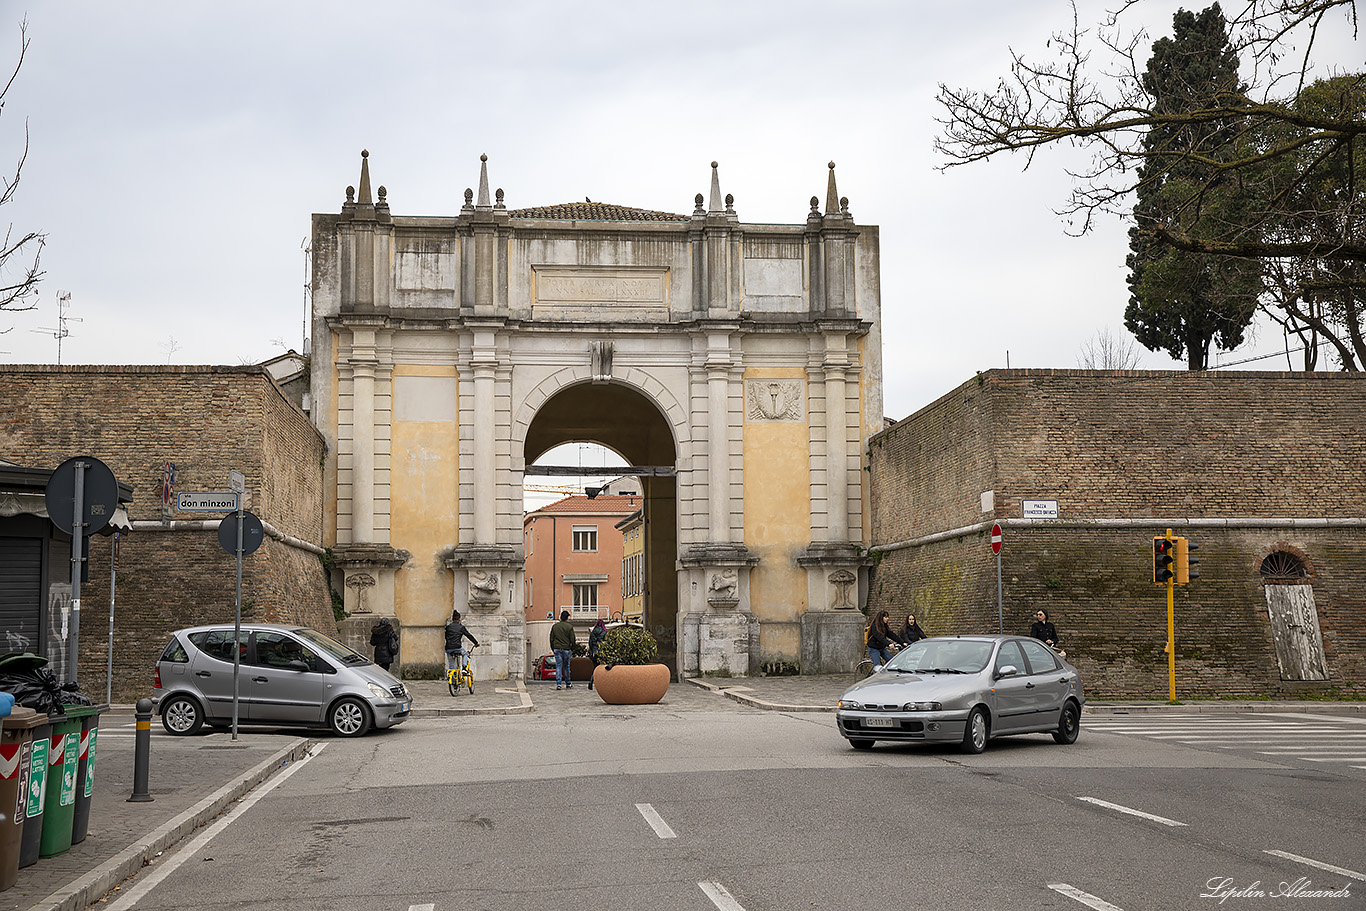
(193, 779)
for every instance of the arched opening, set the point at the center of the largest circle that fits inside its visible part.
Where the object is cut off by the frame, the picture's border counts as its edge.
(628, 423)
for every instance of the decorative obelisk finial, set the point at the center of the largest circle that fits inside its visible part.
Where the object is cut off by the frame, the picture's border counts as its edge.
(714, 204)
(484, 202)
(363, 198)
(832, 196)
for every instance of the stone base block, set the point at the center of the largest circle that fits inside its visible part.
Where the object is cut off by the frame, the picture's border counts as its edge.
(832, 641)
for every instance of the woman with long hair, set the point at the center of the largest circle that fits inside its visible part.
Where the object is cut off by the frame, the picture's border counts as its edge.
(880, 639)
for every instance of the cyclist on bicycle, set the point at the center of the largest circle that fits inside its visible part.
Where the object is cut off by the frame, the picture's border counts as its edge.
(880, 639)
(455, 632)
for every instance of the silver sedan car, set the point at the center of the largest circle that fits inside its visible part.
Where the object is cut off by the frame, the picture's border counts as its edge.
(966, 690)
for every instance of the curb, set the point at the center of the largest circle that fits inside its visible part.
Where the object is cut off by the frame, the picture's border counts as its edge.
(93, 885)
(739, 694)
(525, 708)
(1224, 708)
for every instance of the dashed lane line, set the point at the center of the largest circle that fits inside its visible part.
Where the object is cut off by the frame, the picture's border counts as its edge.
(1131, 811)
(722, 899)
(655, 820)
(1086, 898)
(1341, 871)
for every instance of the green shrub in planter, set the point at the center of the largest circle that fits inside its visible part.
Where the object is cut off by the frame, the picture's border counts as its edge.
(628, 645)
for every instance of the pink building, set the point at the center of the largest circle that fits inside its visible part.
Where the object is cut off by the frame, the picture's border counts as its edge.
(574, 557)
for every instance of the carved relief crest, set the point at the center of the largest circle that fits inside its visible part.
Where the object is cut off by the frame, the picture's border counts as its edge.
(360, 583)
(774, 400)
(843, 580)
(483, 585)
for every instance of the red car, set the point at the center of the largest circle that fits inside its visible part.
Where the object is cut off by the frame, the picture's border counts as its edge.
(543, 668)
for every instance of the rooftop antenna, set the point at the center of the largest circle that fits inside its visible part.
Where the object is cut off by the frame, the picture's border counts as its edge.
(61, 332)
(308, 288)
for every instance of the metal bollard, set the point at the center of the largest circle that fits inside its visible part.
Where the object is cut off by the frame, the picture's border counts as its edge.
(142, 748)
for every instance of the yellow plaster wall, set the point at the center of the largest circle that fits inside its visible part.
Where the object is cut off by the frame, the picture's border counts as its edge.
(425, 504)
(777, 517)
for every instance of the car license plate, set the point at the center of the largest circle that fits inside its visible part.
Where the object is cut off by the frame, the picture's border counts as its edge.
(879, 722)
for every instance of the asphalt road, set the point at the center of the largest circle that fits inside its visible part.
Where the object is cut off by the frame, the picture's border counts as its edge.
(744, 810)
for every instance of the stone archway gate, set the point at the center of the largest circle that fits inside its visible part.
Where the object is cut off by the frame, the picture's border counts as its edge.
(437, 339)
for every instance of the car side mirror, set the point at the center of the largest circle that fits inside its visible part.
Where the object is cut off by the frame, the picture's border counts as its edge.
(1009, 670)
(297, 665)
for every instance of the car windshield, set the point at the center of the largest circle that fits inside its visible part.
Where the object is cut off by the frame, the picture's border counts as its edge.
(329, 646)
(942, 656)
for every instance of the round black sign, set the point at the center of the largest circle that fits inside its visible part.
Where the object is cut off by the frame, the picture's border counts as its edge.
(252, 533)
(100, 494)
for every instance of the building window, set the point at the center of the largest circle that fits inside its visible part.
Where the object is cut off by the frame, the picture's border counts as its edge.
(585, 598)
(585, 539)
(1283, 568)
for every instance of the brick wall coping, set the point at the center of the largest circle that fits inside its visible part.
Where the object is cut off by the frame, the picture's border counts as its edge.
(212, 525)
(1145, 522)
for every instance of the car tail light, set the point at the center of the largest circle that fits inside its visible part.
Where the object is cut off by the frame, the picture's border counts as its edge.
(156, 678)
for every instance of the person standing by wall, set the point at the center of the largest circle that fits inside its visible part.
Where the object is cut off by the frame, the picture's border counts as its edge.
(384, 638)
(911, 632)
(1043, 629)
(562, 644)
(880, 639)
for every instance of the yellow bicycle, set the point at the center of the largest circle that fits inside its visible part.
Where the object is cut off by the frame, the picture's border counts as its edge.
(459, 675)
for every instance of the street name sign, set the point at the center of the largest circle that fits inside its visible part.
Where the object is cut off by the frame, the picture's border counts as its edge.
(1039, 509)
(207, 501)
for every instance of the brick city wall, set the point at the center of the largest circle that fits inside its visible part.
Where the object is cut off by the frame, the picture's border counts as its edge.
(1142, 447)
(208, 421)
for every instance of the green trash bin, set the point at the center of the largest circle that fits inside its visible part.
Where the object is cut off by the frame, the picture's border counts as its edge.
(35, 789)
(16, 753)
(63, 755)
(85, 766)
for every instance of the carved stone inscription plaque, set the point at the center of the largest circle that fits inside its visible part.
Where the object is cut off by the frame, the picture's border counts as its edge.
(600, 292)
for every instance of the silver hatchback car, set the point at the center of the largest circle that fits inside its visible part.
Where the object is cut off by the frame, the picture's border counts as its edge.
(287, 675)
(965, 690)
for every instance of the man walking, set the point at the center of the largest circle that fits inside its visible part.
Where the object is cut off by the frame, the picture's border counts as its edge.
(562, 644)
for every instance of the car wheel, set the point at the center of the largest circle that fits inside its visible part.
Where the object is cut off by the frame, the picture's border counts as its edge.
(181, 715)
(976, 731)
(861, 744)
(1069, 725)
(349, 717)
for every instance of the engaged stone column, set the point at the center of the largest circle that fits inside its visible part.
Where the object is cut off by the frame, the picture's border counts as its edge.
(485, 519)
(836, 457)
(718, 454)
(363, 452)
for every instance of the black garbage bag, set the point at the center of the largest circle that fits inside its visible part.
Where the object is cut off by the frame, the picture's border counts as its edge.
(37, 688)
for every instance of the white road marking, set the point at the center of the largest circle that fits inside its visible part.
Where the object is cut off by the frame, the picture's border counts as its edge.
(1342, 871)
(723, 899)
(139, 891)
(1131, 811)
(1334, 759)
(1086, 898)
(655, 820)
(430, 906)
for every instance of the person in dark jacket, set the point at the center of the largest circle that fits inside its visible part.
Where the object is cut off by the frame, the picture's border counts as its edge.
(880, 639)
(455, 632)
(595, 638)
(911, 632)
(562, 644)
(384, 638)
(1043, 630)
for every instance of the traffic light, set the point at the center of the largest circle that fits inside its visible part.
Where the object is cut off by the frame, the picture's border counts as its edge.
(1184, 561)
(1164, 559)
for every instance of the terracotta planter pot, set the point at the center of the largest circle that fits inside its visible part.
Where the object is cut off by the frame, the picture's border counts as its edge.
(632, 684)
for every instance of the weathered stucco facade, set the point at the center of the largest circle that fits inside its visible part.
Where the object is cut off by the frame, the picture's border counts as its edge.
(736, 366)
(1262, 470)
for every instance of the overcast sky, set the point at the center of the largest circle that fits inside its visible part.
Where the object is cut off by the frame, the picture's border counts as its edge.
(178, 149)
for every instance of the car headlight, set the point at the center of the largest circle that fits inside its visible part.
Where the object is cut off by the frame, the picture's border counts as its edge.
(851, 705)
(379, 692)
(921, 707)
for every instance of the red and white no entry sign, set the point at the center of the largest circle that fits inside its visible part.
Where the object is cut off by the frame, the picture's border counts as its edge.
(996, 538)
